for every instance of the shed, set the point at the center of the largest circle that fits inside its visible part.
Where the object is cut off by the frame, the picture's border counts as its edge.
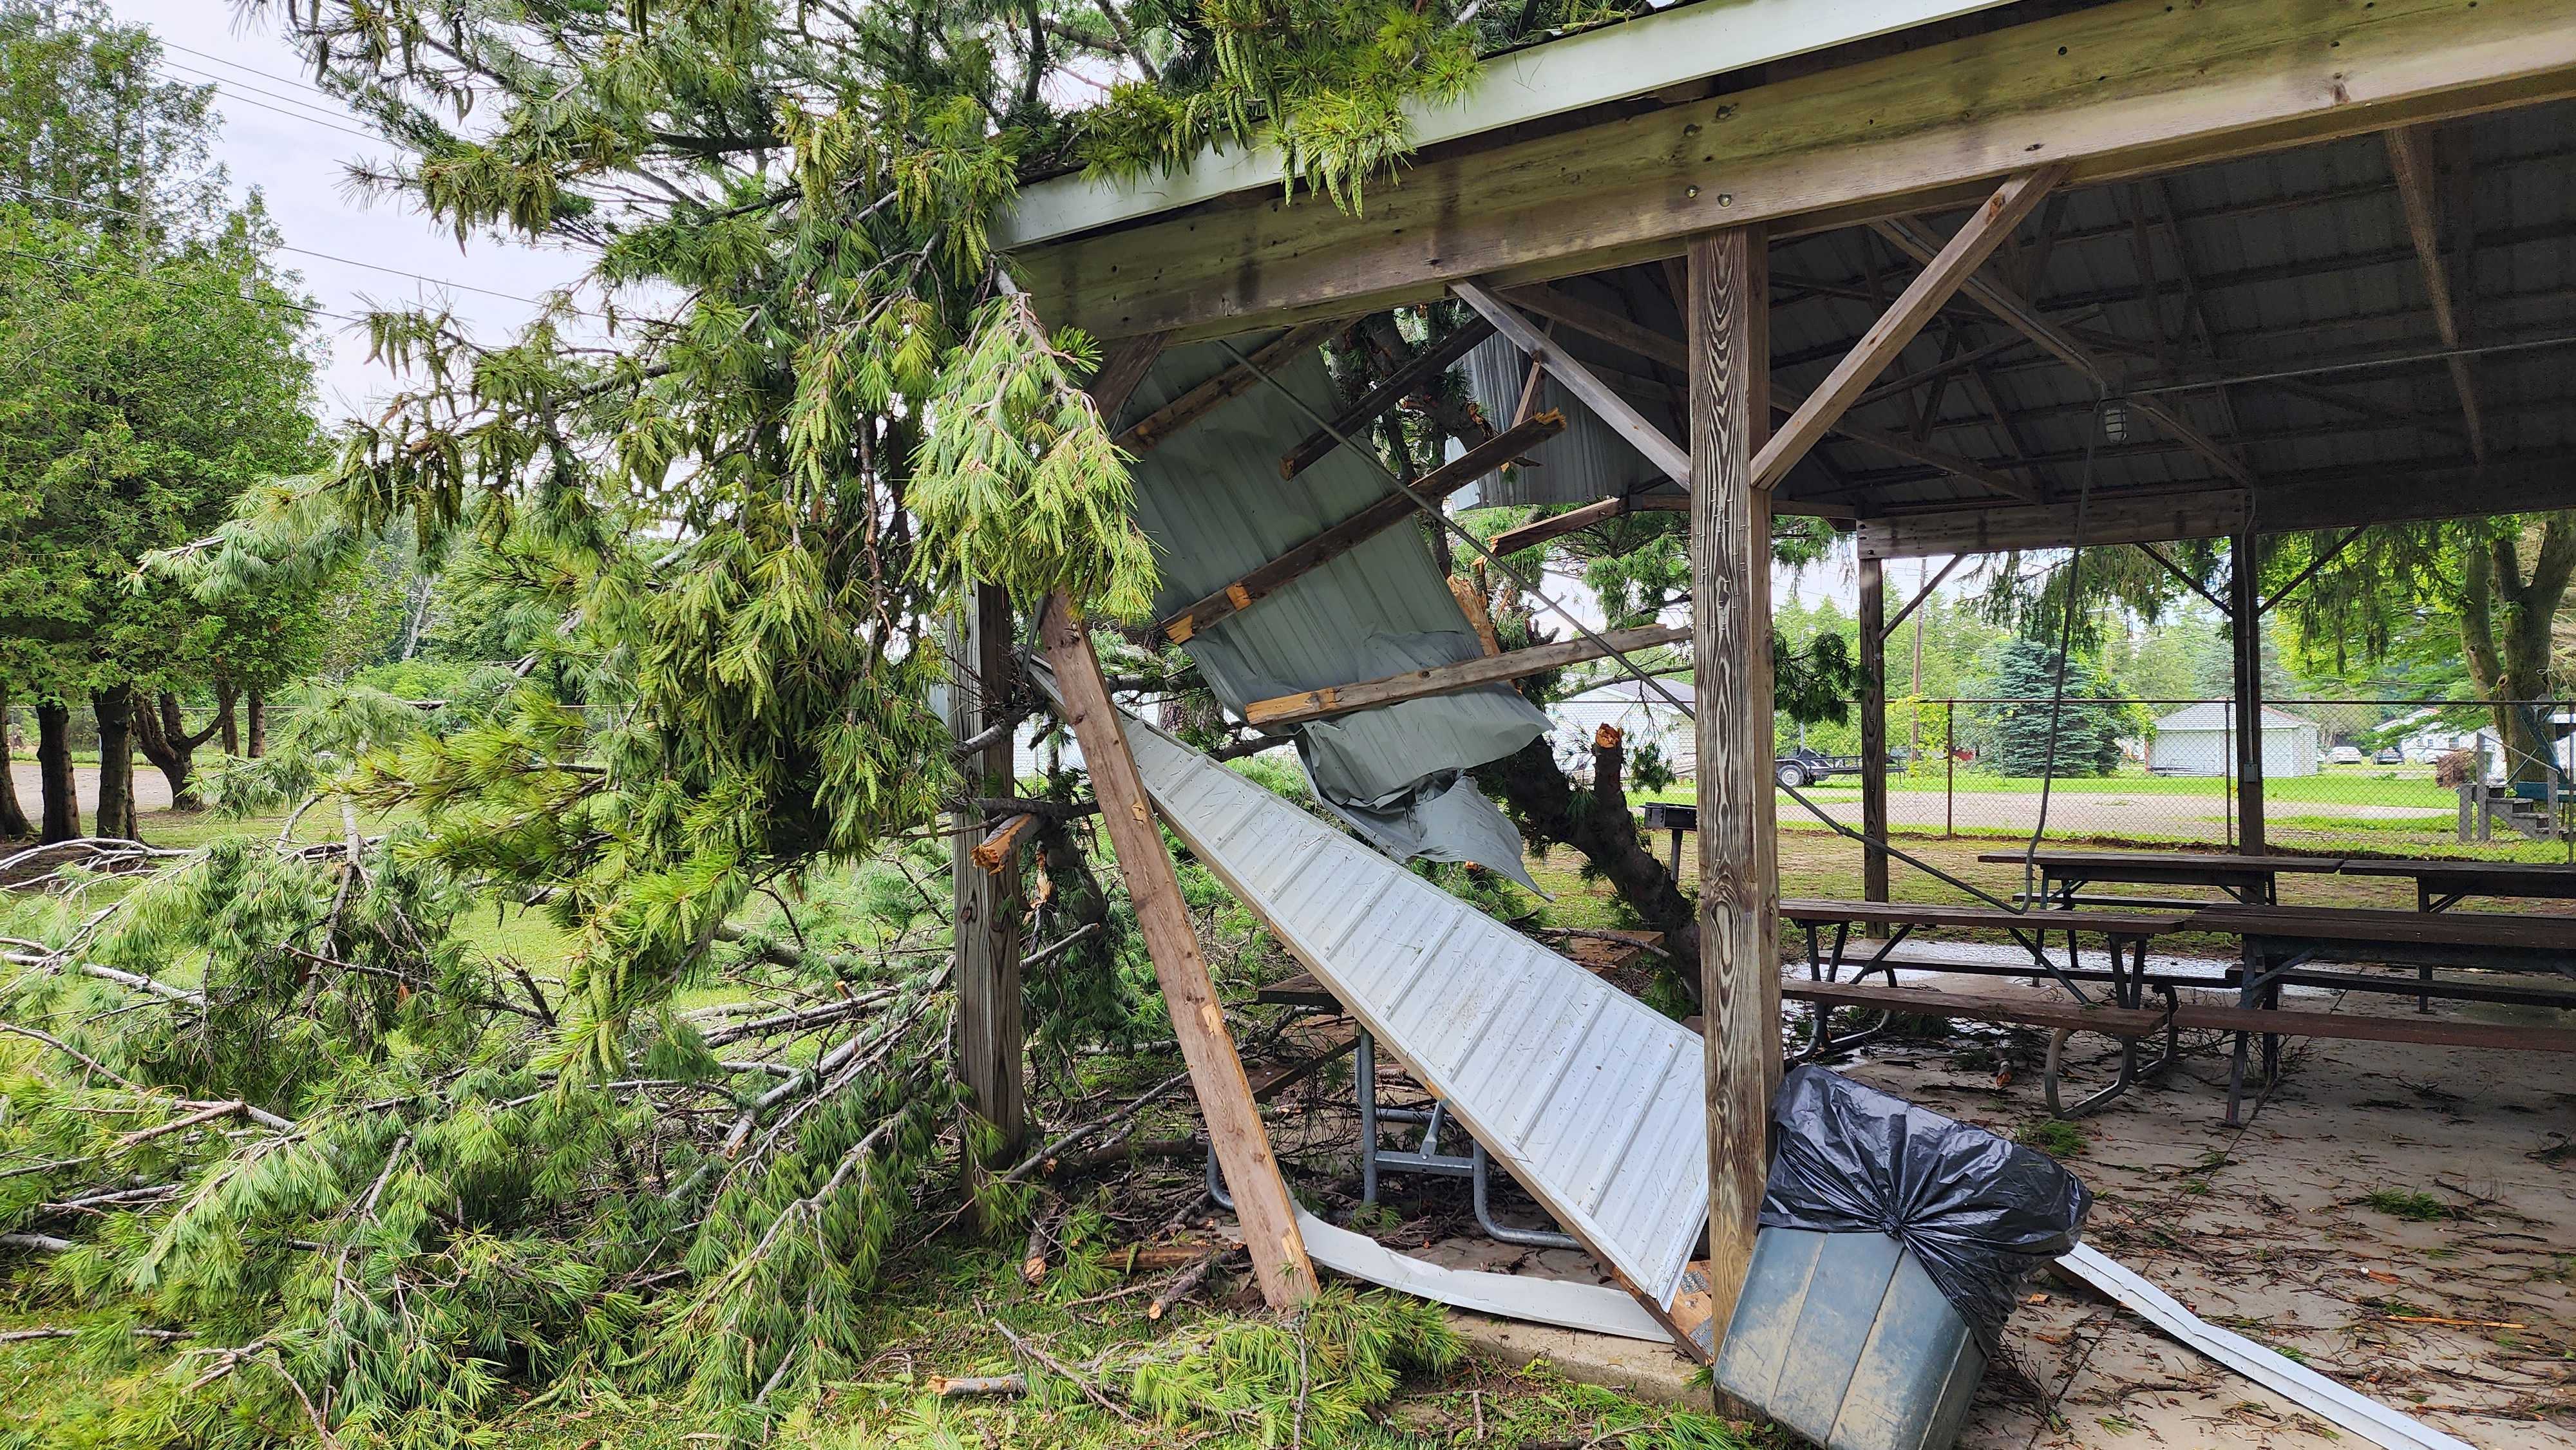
(2197, 740)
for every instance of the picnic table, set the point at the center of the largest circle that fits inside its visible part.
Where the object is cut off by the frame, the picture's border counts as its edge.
(2280, 939)
(2251, 879)
(2441, 885)
(2125, 937)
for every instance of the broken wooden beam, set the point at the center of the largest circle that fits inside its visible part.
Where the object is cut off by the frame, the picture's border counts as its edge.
(1942, 275)
(1234, 1124)
(996, 850)
(1308, 705)
(1358, 529)
(1226, 386)
(1424, 366)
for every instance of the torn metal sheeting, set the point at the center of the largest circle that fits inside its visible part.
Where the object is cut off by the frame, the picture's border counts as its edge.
(1591, 1307)
(2345, 1409)
(1211, 499)
(1594, 1101)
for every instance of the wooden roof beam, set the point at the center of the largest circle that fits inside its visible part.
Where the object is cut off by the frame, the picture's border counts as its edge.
(1225, 387)
(1668, 457)
(2410, 156)
(2018, 313)
(1306, 705)
(1945, 270)
(1416, 372)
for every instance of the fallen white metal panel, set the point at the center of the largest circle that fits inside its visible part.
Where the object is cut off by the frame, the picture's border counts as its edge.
(1593, 1307)
(1593, 1100)
(2329, 1401)
(1612, 63)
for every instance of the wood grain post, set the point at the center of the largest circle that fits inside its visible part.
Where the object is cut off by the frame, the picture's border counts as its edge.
(991, 1027)
(1739, 888)
(2245, 633)
(1873, 731)
(1225, 1097)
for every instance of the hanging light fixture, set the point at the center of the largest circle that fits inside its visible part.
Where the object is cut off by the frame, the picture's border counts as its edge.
(2115, 421)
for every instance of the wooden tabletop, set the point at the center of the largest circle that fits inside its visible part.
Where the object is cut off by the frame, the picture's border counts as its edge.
(2212, 861)
(2424, 928)
(2440, 870)
(1942, 913)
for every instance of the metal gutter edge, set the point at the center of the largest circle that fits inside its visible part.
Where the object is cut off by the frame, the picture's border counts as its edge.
(1593, 1307)
(2331, 1402)
(1685, 43)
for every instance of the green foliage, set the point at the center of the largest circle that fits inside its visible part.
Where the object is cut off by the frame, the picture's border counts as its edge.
(1018, 483)
(1323, 1368)
(156, 364)
(1326, 82)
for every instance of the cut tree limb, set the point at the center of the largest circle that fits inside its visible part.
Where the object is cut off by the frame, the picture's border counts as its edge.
(1358, 529)
(1308, 705)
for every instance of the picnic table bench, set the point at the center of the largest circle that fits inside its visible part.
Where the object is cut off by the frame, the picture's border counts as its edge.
(2280, 939)
(2064, 874)
(2125, 937)
(2441, 885)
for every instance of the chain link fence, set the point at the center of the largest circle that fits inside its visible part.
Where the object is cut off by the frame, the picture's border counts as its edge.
(2376, 776)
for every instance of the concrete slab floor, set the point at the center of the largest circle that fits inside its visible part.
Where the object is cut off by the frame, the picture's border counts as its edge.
(2400, 1218)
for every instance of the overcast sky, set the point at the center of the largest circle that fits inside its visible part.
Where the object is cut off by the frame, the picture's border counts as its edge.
(293, 144)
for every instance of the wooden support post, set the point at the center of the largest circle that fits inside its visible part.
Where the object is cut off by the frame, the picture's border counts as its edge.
(1873, 728)
(1739, 887)
(2245, 631)
(991, 1029)
(1242, 1145)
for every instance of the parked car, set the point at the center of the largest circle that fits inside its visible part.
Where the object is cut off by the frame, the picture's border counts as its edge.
(2389, 755)
(2344, 755)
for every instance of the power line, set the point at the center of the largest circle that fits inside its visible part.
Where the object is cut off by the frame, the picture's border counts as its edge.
(299, 251)
(249, 69)
(290, 115)
(332, 114)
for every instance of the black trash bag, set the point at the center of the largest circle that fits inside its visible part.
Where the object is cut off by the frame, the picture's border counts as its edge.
(1982, 1214)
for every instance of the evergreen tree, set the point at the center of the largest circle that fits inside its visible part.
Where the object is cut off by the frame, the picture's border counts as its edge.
(2017, 737)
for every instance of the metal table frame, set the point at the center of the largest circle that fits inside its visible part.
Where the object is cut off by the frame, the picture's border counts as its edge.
(1426, 1156)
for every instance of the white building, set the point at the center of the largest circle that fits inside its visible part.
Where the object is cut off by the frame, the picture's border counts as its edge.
(2198, 739)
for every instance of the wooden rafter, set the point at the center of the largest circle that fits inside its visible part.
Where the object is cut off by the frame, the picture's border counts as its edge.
(1226, 386)
(2410, 156)
(1297, 709)
(1587, 387)
(1945, 270)
(1358, 529)
(2020, 314)
(1416, 372)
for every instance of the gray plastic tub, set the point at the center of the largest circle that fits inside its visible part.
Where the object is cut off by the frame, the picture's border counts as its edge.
(1844, 1339)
